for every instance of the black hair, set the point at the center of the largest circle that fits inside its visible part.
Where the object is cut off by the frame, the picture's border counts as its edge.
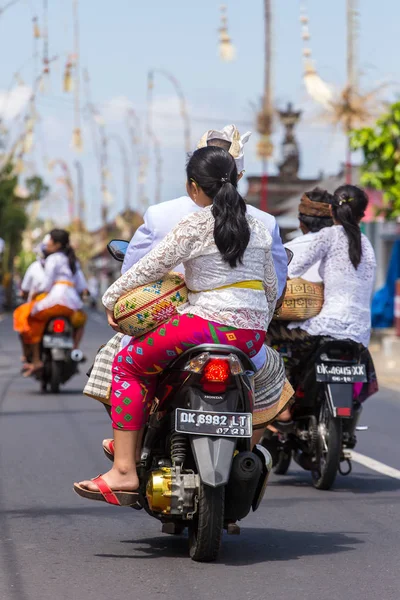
(348, 208)
(315, 224)
(60, 236)
(215, 172)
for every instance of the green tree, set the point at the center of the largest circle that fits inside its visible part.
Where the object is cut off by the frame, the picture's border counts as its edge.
(380, 170)
(13, 216)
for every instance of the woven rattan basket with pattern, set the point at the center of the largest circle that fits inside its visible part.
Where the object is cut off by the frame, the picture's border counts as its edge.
(303, 300)
(148, 306)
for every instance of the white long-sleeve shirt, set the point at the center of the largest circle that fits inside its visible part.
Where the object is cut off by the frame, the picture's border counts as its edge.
(192, 243)
(33, 278)
(346, 313)
(57, 271)
(301, 246)
(161, 218)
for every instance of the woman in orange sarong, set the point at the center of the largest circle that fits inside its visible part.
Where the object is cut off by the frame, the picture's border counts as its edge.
(62, 286)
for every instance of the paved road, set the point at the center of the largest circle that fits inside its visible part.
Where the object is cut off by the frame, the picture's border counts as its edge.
(301, 545)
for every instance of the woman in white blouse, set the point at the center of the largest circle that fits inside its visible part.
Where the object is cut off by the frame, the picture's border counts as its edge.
(230, 273)
(62, 285)
(347, 269)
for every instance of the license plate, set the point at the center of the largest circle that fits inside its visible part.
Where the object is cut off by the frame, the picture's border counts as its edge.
(53, 341)
(198, 422)
(341, 373)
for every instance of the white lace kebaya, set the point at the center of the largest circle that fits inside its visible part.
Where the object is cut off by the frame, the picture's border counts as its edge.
(346, 313)
(191, 242)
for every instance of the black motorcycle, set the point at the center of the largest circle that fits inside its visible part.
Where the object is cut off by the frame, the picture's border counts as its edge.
(197, 469)
(324, 415)
(60, 360)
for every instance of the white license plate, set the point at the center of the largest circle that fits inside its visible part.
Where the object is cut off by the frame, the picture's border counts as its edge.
(53, 341)
(198, 422)
(341, 373)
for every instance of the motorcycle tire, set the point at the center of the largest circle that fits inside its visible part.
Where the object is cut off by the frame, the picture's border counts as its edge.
(324, 478)
(271, 443)
(205, 532)
(283, 463)
(55, 377)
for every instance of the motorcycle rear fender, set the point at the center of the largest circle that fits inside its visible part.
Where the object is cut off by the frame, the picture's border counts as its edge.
(266, 460)
(58, 354)
(213, 456)
(340, 399)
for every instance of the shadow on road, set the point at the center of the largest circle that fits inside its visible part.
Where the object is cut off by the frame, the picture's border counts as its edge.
(254, 546)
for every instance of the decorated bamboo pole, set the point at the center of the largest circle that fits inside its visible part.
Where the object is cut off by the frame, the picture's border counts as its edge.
(81, 193)
(227, 50)
(182, 103)
(264, 120)
(77, 143)
(66, 180)
(125, 162)
(134, 131)
(352, 79)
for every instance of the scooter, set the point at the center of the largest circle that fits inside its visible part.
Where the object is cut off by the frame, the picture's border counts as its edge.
(198, 470)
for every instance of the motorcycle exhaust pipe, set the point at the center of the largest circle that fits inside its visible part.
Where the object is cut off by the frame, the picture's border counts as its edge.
(76, 355)
(240, 491)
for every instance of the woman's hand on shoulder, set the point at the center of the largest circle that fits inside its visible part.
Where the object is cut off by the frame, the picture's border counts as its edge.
(111, 320)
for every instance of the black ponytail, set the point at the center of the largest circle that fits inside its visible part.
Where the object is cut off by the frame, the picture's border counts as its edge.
(215, 172)
(60, 236)
(348, 208)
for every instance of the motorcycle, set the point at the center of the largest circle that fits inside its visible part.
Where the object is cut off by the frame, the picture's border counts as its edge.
(197, 469)
(325, 415)
(60, 360)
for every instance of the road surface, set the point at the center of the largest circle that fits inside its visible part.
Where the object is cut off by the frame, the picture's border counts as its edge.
(302, 544)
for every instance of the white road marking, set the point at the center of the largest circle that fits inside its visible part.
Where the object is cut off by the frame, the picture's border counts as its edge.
(375, 465)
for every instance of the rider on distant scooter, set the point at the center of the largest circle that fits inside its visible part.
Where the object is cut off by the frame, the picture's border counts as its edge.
(347, 268)
(62, 286)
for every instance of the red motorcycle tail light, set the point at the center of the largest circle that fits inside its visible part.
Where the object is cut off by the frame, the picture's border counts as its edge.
(58, 326)
(343, 412)
(216, 370)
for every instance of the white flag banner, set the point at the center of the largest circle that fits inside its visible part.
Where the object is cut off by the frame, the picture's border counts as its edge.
(2, 244)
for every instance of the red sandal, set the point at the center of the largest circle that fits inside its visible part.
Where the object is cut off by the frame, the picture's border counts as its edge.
(106, 494)
(109, 449)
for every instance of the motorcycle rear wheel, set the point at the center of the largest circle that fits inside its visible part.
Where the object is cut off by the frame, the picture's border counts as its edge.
(283, 462)
(205, 533)
(324, 477)
(55, 376)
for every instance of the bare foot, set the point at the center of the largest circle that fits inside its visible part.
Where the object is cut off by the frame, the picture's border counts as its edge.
(116, 480)
(32, 368)
(272, 428)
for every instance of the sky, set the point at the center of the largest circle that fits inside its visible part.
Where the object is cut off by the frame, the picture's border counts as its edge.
(121, 41)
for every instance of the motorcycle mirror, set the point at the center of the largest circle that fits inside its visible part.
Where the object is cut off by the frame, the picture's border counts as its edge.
(289, 255)
(117, 249)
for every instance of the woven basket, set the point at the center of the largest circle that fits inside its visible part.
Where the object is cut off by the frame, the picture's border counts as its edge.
(148, 306)
(303, 300)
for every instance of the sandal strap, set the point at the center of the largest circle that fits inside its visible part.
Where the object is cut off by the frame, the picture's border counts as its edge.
(106, 491)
